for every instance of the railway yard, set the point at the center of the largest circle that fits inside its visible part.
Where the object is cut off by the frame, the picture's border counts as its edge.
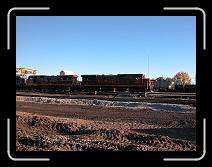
(100, 83)
(124, 122)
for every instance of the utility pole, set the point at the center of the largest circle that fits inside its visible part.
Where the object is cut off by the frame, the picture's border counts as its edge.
(148, 65)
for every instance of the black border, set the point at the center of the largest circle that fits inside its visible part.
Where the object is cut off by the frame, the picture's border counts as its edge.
(61, 9)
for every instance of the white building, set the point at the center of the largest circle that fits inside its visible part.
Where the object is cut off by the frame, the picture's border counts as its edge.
(65, 72)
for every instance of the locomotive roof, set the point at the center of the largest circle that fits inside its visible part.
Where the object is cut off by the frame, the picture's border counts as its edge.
(111, 75)
(51, 75)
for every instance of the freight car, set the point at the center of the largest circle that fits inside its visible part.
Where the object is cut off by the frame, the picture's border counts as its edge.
(186, 89)
(119, 82)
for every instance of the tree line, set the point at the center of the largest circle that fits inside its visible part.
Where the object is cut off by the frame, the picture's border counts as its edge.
(180, 78)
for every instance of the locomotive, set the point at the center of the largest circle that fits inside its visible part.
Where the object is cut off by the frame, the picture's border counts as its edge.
(89, 83)
(119, 82)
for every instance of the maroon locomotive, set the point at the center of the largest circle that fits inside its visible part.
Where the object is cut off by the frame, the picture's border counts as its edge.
(90, 83)
(59, 82)
(119, 82)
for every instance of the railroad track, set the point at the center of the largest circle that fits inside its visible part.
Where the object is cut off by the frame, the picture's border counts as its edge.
(177, 98)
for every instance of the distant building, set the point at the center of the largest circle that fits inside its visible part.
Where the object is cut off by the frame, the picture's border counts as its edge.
(65, 72)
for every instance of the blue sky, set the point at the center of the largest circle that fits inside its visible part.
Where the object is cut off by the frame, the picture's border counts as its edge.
(107, 44)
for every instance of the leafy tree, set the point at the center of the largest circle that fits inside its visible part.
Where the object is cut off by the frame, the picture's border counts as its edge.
(182, 78)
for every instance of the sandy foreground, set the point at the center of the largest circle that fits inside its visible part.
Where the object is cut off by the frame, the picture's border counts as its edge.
(72, 127)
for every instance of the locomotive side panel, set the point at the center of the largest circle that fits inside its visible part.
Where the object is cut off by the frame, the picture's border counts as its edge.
(120, 82)
(60, 83)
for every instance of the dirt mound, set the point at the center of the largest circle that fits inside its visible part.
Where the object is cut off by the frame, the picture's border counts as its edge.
(47, 133)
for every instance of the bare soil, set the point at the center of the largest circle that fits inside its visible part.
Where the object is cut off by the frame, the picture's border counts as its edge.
(58, 127)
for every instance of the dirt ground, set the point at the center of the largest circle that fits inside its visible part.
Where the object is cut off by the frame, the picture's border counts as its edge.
(62, 127)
